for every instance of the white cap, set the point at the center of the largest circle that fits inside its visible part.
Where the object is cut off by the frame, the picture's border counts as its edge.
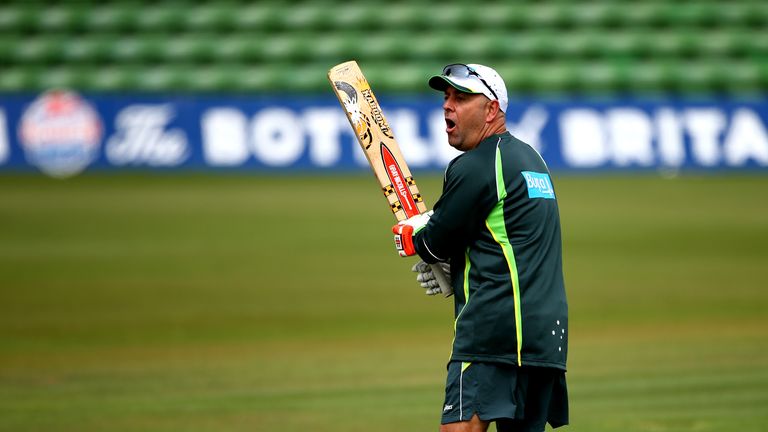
(480, 80)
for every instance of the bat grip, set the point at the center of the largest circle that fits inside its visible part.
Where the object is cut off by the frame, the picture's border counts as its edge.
(442, 279)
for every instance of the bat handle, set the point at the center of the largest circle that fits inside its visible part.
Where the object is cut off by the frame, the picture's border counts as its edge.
(442, 279)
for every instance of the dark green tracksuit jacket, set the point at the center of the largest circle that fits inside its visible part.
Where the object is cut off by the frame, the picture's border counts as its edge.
(498, 223)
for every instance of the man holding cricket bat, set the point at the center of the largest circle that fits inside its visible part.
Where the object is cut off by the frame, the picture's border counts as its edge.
(496, 228)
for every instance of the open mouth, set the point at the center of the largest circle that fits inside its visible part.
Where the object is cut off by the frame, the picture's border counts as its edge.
(450, 125)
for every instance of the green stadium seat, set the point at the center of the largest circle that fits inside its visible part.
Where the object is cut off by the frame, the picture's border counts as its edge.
(553, 77)
(596, 76)
(448, 16)
(113, 78)
(133, 49)
(113, 18)
(351, 17)
(235, 47)
(36, 50)
(164, 18)
(523, 45)
(266, 78)
(402, 17)
(746, 15)
(57, 77)
(16, 19)
(388, 77)
(15, 78)
(307, 17)
(62, 18)
(81, 49)
(334, 46)
(210, 17)
(9, 19)
(592, 15)
(697, 15)
(285, 47)
(7, 47)
(541, 15)
(517, 76)
(720, 44)
(259, 18)
(645, 76)
(492, 16)
(741, 77)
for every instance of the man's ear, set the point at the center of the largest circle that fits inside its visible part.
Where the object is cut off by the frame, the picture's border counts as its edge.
(492, 110)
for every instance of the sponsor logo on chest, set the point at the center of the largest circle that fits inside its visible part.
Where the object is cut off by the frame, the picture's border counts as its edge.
(539, 185)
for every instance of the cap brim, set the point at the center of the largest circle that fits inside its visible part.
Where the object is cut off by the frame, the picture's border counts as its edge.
(441, 82)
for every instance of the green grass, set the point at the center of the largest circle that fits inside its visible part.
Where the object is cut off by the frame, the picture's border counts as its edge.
(212, 303)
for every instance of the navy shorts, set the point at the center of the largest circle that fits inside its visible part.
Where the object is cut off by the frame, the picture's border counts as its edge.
(519, 399)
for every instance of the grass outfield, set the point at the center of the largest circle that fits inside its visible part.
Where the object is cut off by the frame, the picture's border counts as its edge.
(236, 303)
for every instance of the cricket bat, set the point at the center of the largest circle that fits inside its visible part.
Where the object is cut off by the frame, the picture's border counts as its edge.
(380, 147)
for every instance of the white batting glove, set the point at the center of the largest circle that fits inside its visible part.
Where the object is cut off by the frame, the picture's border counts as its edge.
(426, 278)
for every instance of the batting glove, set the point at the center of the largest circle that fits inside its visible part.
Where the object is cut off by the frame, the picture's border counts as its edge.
(426, 277)
(405, 230)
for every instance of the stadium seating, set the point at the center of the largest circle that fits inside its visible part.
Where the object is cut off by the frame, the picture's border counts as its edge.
(540, 47)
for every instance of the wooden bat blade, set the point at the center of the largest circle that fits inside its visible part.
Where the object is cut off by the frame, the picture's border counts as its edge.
(380, 147)
(376, 139)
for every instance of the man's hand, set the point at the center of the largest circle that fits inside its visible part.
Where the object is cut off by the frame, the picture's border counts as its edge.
(405, 230)
(426, 278)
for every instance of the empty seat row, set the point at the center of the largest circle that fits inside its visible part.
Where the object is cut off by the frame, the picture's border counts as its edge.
(207, 48)
(521, 77)
(243, 16)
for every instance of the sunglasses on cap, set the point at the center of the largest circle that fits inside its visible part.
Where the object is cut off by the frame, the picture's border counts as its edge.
(460, 70)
